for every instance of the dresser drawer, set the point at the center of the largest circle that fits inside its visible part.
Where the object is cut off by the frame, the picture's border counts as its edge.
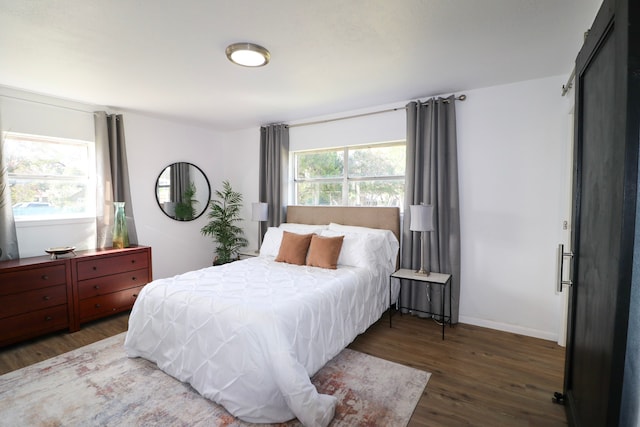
(17, 281)
(109, 284)
(33, 300)
(103, 266)
(100, 306)
(32, 324)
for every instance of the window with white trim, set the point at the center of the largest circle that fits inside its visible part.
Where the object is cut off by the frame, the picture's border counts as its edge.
(360, 175)
(50, 178)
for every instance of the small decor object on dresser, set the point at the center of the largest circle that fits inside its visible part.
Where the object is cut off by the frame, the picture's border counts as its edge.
(120, 233)
(60, 250)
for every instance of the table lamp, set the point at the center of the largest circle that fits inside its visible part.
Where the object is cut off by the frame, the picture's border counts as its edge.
(421, 221)
(260, 213)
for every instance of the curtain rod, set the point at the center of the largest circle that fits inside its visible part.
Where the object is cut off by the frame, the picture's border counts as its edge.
(457, 98)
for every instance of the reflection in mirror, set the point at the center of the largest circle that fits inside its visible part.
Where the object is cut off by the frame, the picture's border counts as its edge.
(183, 191)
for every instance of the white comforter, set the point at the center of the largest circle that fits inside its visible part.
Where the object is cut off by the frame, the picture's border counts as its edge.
(248, 335)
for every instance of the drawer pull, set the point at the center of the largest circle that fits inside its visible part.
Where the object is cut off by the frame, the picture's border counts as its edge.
(96, 287)
(95, 268)
(135, 295)
(45, 277)
(48, 318)
(98, 306)
(46, 297)
(134, 278)
(133, 261)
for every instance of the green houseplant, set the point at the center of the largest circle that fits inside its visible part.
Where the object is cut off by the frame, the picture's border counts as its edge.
(224, 213)
(185, 209)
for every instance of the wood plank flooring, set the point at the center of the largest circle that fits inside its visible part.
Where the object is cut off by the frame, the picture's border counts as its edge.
(480, 377)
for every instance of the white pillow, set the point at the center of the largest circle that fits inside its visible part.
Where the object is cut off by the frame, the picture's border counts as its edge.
(292, 227)
(271, 242)
(390, 250)
(361, 249)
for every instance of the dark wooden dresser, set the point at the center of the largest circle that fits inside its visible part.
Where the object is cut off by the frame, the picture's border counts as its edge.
(35, 297)
(40, 295)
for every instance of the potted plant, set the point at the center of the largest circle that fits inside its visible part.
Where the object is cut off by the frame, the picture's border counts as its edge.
(224, 213)
(185, 209)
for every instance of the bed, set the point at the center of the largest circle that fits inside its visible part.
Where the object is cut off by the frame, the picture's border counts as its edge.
(248, 335)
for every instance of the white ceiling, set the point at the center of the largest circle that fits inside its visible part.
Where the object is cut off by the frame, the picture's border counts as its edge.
(166, 57)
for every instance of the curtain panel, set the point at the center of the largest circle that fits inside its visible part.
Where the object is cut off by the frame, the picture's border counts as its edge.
(112, 176)
(8, 235)
(432, 178)
(179, 181)
(274, 173)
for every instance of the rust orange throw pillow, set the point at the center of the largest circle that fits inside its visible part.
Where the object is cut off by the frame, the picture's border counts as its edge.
(294, 247)
(324, 251)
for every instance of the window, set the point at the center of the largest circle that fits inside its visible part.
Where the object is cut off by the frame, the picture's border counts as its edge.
(368, 175)
(50, 178)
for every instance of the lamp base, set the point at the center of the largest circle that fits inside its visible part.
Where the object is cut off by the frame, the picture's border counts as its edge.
(423, 272)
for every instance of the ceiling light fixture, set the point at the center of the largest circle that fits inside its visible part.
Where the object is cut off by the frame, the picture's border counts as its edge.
(248, 54)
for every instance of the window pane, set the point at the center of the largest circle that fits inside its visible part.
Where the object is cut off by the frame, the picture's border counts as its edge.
(376, 193)
(377, 161)
(163, 189)
(50, 177)
(319, 193)
(320, 164)
(53, 198)
(38, 157)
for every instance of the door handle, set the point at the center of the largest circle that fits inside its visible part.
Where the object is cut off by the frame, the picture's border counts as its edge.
(560, 264)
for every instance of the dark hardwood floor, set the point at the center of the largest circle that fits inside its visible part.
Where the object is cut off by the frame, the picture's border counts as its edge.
(480, 377)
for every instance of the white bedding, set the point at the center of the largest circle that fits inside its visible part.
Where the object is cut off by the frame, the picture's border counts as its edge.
(249, 334)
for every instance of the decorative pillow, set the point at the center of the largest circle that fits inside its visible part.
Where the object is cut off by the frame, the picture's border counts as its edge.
(324, 251)
(271, 242)
(294, 247)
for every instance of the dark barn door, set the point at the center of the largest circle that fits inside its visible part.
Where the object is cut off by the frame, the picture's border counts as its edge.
(605, 179)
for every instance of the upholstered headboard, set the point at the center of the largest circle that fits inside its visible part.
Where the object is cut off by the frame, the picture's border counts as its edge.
(373, 217)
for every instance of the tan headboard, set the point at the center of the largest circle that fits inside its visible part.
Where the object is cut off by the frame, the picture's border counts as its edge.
(373, 217)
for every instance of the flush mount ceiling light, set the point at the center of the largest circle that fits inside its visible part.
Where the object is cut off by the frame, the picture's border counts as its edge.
(248, 54)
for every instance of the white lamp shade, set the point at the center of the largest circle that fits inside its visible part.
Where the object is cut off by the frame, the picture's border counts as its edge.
(421, 218)
(259, 211)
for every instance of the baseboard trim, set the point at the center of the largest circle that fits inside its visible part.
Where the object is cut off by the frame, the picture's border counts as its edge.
(520, 330)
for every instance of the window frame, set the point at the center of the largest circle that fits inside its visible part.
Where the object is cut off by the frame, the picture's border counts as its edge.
(345, 180)
(89, 179)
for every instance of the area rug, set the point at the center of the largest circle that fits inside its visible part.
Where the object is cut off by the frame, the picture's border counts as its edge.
(98, 385)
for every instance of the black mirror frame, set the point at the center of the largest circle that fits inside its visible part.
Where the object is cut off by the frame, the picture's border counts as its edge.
(206, 204)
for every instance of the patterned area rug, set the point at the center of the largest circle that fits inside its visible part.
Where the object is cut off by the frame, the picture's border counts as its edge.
(98, 385)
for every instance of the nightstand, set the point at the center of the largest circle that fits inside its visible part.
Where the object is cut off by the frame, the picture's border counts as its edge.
(438, 279)
(247, 254)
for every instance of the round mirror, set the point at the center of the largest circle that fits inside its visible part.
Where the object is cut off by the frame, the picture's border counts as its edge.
(183, 191)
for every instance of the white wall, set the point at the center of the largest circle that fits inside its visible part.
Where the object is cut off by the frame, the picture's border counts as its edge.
(512, 142)
(153, 144)
(512, 159)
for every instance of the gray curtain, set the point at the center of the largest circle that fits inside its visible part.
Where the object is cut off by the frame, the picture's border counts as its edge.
(112, 177)
(432, 178)
(179, 181)
(8, 237)
(274, 169)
